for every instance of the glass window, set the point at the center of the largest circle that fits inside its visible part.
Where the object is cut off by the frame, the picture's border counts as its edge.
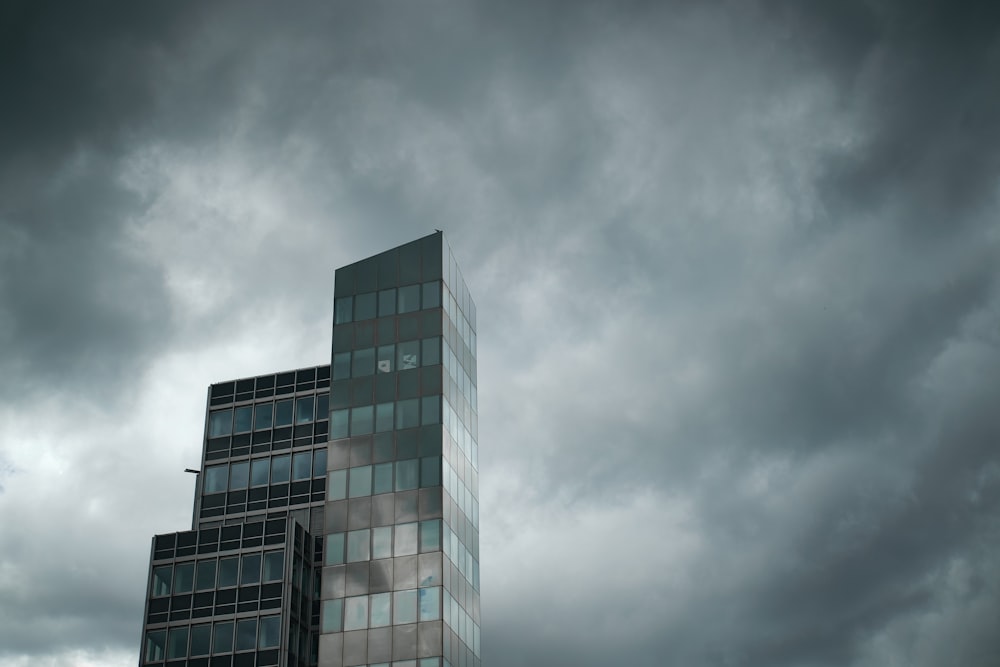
(156, 645)
(319, 463)
(341, 365)
(430, 604)
(386, 353)
(223, 638)
(262, 417)
(274, 565)
(238, 475)
(335, 548)
(432, 294)
(322, 406)
(408, 355)
(382, 542)
(228, 571)
(430, 350)
(270, 632)
(161, 581)
(404, 605)
(358, 545)
(283, 413)
(246, 634)
(407, 473)
(339, 424)
(430, 535)
(216, 478)
(362, 420)
(430, 410)
(220, 422)
(364, 306)
(206, 575)
(342, 308)
(383, 417)
(302, 466)
(251, 570)
(333, 613)
(183, 577)
(336, 485)
(279, 469)
(361, 481)
(383, 478)
(177, 643)
(408, 413)
(243, 418)
(356, 613)
(409, 299)
(259, 469)
(406, 539)
(364, 362)
(201, 639)
(380, 608)
(387, 302)
(304, 410)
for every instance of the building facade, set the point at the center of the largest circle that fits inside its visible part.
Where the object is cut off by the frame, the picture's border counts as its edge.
(336, 514)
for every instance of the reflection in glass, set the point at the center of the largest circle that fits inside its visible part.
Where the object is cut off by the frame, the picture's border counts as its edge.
(430, 351)
(228, 570)
(408, 355)
(342, 308)
(251, 570)
(430, 604)
(333, 612)
(408, 413)
(364, 306)
(430, 535)
(243, 418)
(407, 474)
(274, 564)
(259, 469)
(404, 607)
(156, 641)
(341, 365)
(238, 475)
(406, 539)
(304, 410)
(201, 639)
(246, 634)
(301, 466)
(177, 643)
(220, 422)
(361, 481)
(161, 581)
(386, 354)
(358, 545)
(335, 549)
(362, 419)
(183, 577)
(262, 417)
(409, 299)
(432, 294)
(279, 469)
(383, 417)
(381, 542)
(205, 579)
(364, 362)
(336, 485)
(383, 478)
(339, 424)
(270, 632)
(223, 638)
(319, 463)
(216, 478)
(380, 609)
(356, 613)
(283, 413)
(387, 302)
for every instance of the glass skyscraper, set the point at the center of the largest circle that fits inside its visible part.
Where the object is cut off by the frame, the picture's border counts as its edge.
(336, 514)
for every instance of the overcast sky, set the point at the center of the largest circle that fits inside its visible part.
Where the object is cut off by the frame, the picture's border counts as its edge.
(737, 268)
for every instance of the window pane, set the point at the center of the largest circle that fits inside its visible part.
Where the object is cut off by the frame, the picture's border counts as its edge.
(283, 413)
(304, 410)
(279, 469)
(339, 424)
(380, 606)
(362, 420)
(342, 308)
(356, 613)
(358, 545)
(408, 413)
(220, 423)
(430, 349)
(223, 638)
(183, 577)
(201, 639)
(274, 564)
(409, 298)
(383, 478)
(333, 612)
(243, 419)
(259, 469)
(246, 634)
(430, 604)
(238, 475)
(404, 605)
(408, 355)
(386, 355)
(177, 643)
(206, 575)
(383, 417)
(364, 306)
(228, 570)
(387, 302)
(341, 365)
(364, 362)
(251, 570)
(302, 466)
(262, 418)
(322, 406)
(382, 542)
(216, 478)
(407, 474)
(406, 539)
(161, 581)
(336, 485)
(432, 294)
(319, 463)
(430, 535)
(270, 632)
(335, 549)
(156, 645)
(361, 481)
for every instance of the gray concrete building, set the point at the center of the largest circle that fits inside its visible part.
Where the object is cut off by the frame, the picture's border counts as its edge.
(336, 513)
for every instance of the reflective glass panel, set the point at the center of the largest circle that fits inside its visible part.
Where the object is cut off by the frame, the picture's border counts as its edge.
(156, 645)
(238, 475)
(251, 570)
(409, 299)
(228, 571)
(432, 294)
(279, 469)
(383, 417)
(177, 642)
(341, 365)
(408, 413)
(404, 607)
(361, 481)
(356, 613)
(382, 542)
(319, 463)
(259, 469)
(430, 535)
(358, 545)
(362, 420)
(336, 485)
(408, 355)
(216, 478)
(205, 579)
(430, 471)
(223, 642)
(269, 635)
(183, 577)
(430, 604)
(342, 309)
(301, 466)
(333, 612)
(246, 634)
(407, 474)
(335, 549)
(304, 410)
(243, 418)
(364, 306)
(220, 423)
(430, 410)
(383, 478)
(430, 351)
(161, 580)
(263, 413)
(283, 413)
(339, 424)
(406, 539)
(380, 609)
(386, 356)
(274, 565)
(201, 639)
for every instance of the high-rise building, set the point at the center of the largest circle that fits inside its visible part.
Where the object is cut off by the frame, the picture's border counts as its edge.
(336, 514)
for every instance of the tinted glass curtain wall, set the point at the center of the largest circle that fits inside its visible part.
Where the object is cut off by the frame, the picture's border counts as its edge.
(336, 515)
